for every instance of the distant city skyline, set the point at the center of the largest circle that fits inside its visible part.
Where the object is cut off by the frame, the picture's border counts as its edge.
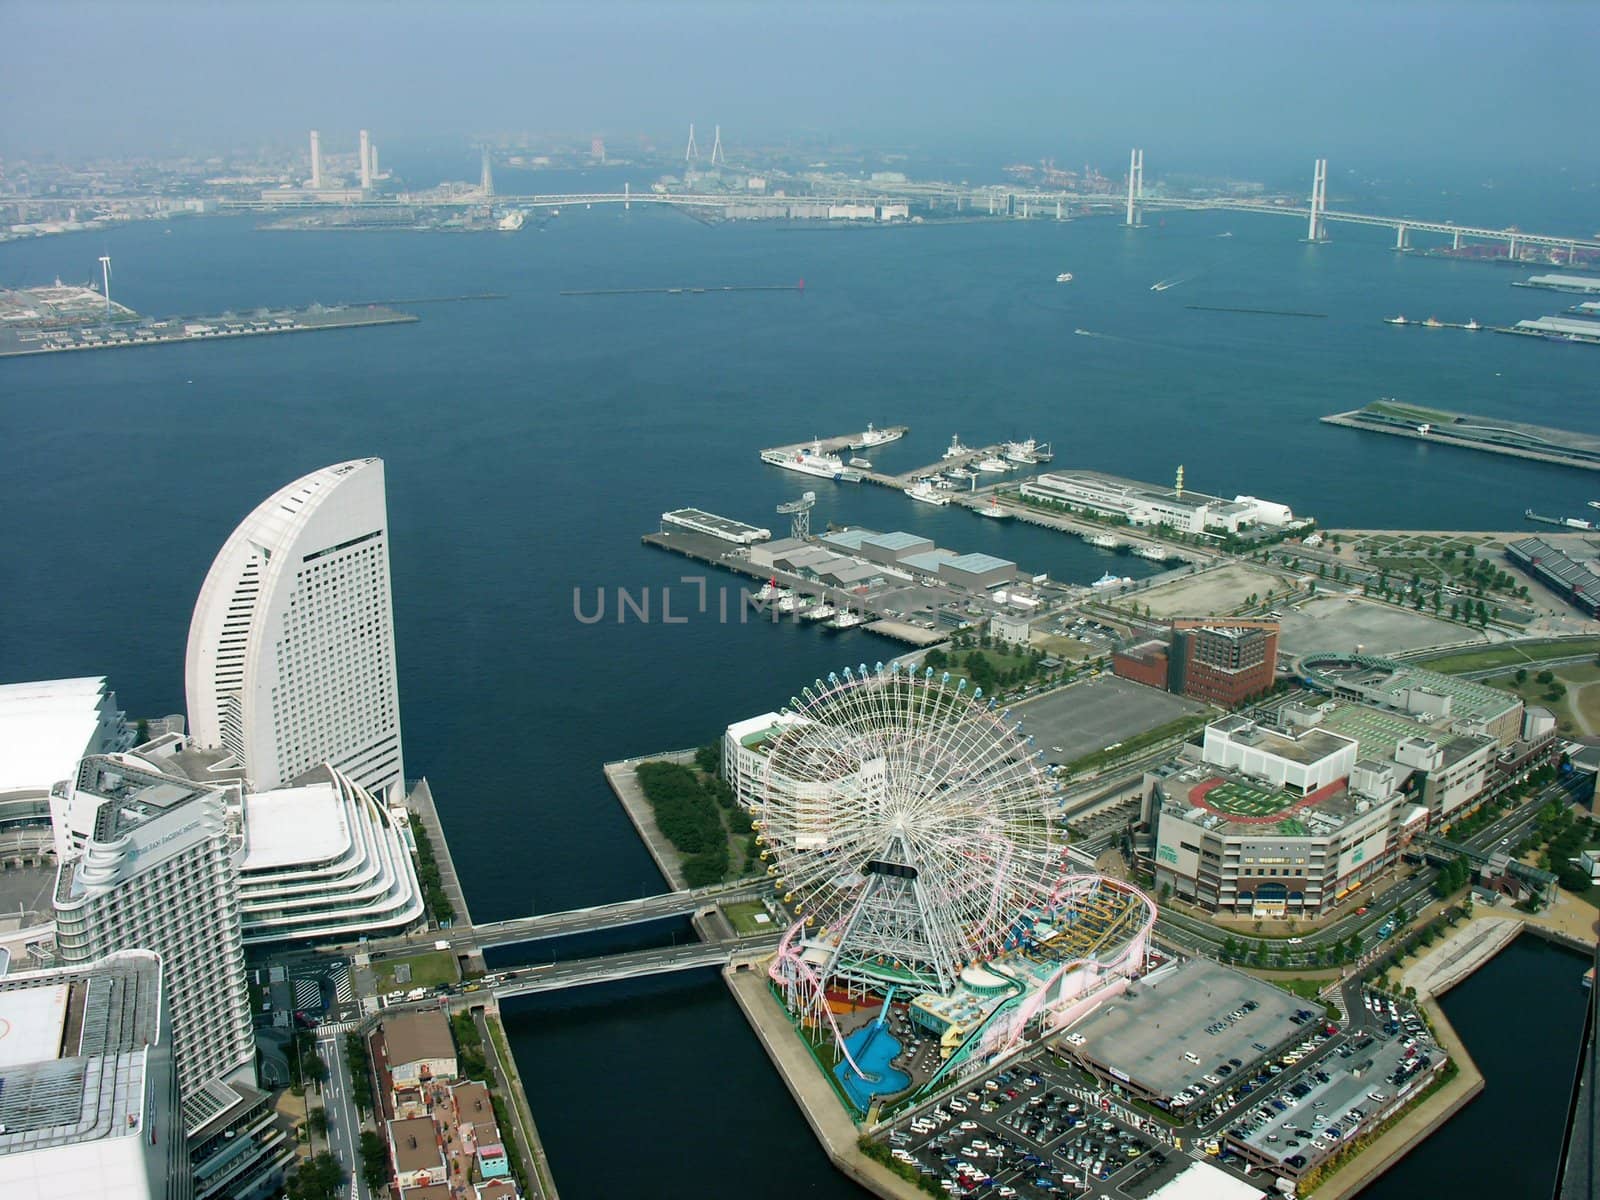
(1492, 83)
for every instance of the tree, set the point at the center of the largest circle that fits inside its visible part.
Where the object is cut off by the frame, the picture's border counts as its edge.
(374, 1161)
(708, 758)
(1230, 948)
(312, 1064)
(317, 1120)
(1522, 672)
(318, 1178)
(142, 735)
(1546, 676)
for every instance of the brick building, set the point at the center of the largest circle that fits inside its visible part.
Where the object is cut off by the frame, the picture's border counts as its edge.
(1221, 662)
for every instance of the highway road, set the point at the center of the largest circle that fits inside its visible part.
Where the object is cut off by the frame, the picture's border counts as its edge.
(344, 1122)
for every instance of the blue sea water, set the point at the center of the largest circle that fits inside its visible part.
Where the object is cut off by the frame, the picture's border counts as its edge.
(530, 442)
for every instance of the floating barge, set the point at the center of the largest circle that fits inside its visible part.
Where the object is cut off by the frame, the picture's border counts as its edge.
(1514, 438)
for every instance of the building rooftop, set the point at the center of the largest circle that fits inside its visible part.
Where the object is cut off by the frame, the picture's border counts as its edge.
(928, 562)
(1222, 800)
(45, 728)
(416, 1144)
(978, 563)
(136, 793)
(1303, 746)
(1146, 1032)
(413, 1036)
(895, 540)
(293, 825)
(73, 1051)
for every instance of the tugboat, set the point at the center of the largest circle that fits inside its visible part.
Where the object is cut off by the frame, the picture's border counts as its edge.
(1400, 320)
(1064, 277)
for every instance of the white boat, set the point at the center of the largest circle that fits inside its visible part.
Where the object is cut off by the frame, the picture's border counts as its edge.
(959, 473)
(993, 509)
(876, 437)
(511, 222)
(817, 612)
(1028, 452)
(769, 592)
(928, 494)
(789, 604)
(861, 464)
(992, 464)
(956, 449)
(1064, 277)
(1153, 553)
(1472, 323)
(1108, 580)
(811, 461)
(1104, 540)
(1400, 320)
(845, 620)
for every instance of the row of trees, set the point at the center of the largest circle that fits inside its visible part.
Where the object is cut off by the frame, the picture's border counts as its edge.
(428, 875)
(1453, 876)
(360, 1062)
(1262, 953)
(688, 811)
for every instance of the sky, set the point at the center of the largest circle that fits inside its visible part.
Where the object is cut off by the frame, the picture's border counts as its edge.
(1226, 84)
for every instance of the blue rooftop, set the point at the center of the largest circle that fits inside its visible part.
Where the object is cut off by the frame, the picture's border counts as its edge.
(981, 562)
(927, 562)
(850, 539)
(897, 540)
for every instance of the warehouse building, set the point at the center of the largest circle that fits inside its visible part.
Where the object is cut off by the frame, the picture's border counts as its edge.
(1573, 576)
(1147, 504)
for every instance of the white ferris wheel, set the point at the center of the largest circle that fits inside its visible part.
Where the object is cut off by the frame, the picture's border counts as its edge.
(910, 825)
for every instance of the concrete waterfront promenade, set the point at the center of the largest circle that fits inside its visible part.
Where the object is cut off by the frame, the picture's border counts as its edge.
(625, 784)
(834, 1130)
(420, 801)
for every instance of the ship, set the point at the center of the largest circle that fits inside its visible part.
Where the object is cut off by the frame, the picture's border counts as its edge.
(1399, 320)
(1472, 323)
(960, 473)
(992, 464)
(993, 509)
(875, 437)
(927, 493)
(769, 592)
(956, 449)
(1104, 540)
(1153, 553)
(811, 462)
(1064, 277)
(1108, 580)
(861, 464)
(845, 620)
(1433, 323)
(820, 611)
(511, 222)
(1028, 452)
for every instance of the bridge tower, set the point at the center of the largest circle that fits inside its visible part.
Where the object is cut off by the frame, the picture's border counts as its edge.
(486, 183)
(719, 156)
(691, 152)
(1135, 185)
(1317, 230)
(799, 514)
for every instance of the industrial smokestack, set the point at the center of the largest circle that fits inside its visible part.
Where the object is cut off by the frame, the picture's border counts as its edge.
(488, 176)
(366, 160)
(372, 152)
(316, 160)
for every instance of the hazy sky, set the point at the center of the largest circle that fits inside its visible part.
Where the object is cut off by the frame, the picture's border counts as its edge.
(1224, 83)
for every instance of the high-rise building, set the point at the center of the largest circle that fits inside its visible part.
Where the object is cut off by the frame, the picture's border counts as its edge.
(291, 650)
(89, 1099)
(157, 871)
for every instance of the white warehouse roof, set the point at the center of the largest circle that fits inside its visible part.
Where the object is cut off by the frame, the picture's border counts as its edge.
(46, 727)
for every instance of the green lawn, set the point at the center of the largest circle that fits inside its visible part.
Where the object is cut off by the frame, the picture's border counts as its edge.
(1509, 655)
(427, 970)
(745, 917)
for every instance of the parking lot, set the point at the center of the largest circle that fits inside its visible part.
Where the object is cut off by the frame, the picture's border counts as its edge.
(1340, 623)
(1089, 716)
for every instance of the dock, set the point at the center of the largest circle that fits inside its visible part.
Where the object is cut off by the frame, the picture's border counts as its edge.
(1563, 447)
(834, 445)
(16, 343)
(688, 291)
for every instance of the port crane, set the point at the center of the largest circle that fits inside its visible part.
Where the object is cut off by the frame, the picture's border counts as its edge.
(799, 514)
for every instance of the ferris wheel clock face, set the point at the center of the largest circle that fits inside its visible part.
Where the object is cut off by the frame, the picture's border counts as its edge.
(908, 822)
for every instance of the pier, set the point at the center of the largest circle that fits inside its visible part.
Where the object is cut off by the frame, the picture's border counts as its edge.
(688, 291)
(15, 343)
(1491, 435)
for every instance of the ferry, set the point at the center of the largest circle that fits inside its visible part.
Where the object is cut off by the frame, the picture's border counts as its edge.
(1400, 320)
(928, 494)
(956, 449)
(1064, 277)
(811, 462)
(845, 620)
(993, 509)
(876, 437)
(992, 464)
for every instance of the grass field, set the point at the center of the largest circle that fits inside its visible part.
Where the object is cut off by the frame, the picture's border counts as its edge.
(1505, 655)
(427, 970)
(748, 916)
(1245, 800)
(1576, 712)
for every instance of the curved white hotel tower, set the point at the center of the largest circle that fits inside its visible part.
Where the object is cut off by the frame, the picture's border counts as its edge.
(291, 649)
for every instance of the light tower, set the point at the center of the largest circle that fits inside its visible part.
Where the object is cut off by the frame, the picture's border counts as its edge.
(486, 184)
(105, 281)
(1316, 231)
(366, 161)
(718, 155)
(316, 160)
(691, 152)
(799, 514)
(1135, 185)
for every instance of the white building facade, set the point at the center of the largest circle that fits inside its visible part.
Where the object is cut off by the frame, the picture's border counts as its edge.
(158, 871)
(291, 660)
(323, 860)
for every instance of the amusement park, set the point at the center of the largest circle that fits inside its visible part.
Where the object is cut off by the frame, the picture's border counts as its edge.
(915, 834)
